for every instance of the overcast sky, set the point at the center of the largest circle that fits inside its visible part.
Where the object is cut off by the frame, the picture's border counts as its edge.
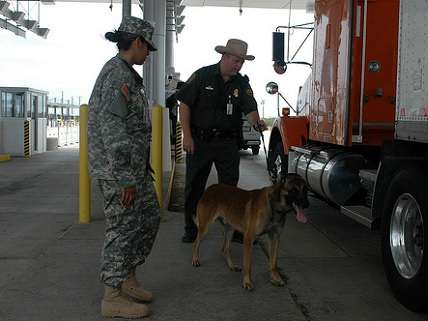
(72, 56)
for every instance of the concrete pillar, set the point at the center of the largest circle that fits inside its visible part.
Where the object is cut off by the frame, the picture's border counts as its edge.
(169, 46)
(126, 8)
(154, 70)
(155, 11)
(148, 13)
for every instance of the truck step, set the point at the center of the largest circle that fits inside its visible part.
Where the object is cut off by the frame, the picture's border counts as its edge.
(368, 175)
(361, 214)
(368, 180)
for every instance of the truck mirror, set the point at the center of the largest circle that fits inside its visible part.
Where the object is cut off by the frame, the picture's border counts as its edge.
(280, 67)
(277, 46)
(272, 87)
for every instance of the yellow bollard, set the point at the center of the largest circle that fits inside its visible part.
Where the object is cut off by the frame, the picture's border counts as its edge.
(156, 151)
(84, 179)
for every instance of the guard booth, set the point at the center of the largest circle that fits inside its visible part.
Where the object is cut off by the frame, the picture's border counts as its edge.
(23, 122)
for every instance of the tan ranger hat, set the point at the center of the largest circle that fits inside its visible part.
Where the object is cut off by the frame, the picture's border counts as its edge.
(235, 47)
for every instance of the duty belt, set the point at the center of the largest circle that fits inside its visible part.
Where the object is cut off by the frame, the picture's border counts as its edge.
(210, 134)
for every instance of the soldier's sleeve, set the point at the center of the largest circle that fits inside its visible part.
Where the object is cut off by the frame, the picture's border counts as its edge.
(190, 90)
(249, 104)
(117, 141)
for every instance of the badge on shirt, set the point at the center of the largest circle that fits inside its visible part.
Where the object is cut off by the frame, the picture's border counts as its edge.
(236, 93)
(209, 88)
(229, 107)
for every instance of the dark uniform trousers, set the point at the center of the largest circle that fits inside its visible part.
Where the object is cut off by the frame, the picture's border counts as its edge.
(224, 153)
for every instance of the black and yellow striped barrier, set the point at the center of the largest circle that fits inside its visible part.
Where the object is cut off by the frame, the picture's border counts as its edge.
(178, 144)
(27, 139)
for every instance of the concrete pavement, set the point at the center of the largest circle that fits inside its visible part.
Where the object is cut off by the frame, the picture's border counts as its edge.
(49, 263)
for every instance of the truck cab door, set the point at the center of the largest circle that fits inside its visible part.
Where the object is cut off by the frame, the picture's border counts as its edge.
(373, 86)
(331, 67)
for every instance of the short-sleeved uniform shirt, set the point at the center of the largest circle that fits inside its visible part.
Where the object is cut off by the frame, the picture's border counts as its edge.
(208, 96)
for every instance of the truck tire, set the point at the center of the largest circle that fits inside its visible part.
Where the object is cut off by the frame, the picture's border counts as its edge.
(404, 235)
(255, 150)
(278, 163)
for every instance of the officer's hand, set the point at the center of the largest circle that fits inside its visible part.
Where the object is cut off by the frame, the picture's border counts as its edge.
(128, 196)
(261, 125)
(188, 144)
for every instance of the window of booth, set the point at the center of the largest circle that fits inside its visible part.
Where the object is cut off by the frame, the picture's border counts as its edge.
(33, 107)
(2, 103)
(12, 105)
(19, 106)
(8, 106)
(40, 107)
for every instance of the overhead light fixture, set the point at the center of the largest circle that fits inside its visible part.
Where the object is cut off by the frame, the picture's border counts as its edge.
(42, 32)
(179, 28)
(11, 27)
(30, 24)
(179, 10)
(18, 16)
(4, 6)
(179, 20)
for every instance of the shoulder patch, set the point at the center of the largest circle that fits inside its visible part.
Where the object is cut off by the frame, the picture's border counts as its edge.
(124, 89)
(118, 105)
(249, 92)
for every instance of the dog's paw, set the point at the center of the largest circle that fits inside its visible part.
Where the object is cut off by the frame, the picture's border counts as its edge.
(248, 285)
(277, 282)
(196, 263)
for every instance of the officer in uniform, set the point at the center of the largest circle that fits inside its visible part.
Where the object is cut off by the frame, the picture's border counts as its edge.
(119, 130)
(211, 104)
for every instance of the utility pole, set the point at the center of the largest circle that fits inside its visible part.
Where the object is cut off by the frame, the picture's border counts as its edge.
(262, 102)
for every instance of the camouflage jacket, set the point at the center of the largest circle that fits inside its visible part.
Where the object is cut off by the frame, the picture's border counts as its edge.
(119, 125)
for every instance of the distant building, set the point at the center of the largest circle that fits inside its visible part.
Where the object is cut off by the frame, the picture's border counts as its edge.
(23, 121)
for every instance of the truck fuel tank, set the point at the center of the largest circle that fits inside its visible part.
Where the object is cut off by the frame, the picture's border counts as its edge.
(330, 172)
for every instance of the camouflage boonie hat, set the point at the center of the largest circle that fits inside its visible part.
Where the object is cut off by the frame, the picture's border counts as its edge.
(138, 27)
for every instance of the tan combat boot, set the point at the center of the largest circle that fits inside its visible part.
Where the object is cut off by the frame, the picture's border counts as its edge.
(115, 305)
(134, 289)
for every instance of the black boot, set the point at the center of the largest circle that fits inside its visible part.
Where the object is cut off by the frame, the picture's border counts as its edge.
(190, 229)
(237, 237)
(189, 237)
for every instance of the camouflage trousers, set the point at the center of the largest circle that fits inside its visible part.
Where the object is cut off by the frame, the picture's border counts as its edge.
(130, 232)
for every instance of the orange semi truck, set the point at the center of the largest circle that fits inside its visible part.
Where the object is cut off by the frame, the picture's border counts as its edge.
(363, 143)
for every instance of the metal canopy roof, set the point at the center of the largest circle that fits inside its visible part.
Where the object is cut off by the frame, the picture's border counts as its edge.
(266, 4)
(262, 4)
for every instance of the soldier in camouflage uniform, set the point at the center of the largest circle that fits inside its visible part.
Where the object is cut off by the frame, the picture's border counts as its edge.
(119, 129)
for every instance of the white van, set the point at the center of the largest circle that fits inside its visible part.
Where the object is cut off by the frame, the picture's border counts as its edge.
(250, 137)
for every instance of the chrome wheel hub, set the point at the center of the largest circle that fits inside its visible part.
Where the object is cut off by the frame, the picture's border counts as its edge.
(407, 236)
(277, 168)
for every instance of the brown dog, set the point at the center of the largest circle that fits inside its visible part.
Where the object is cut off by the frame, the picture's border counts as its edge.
(252, 213)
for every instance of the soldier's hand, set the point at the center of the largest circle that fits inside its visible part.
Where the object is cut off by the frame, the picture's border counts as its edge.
(188, 144)
(128, 196)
